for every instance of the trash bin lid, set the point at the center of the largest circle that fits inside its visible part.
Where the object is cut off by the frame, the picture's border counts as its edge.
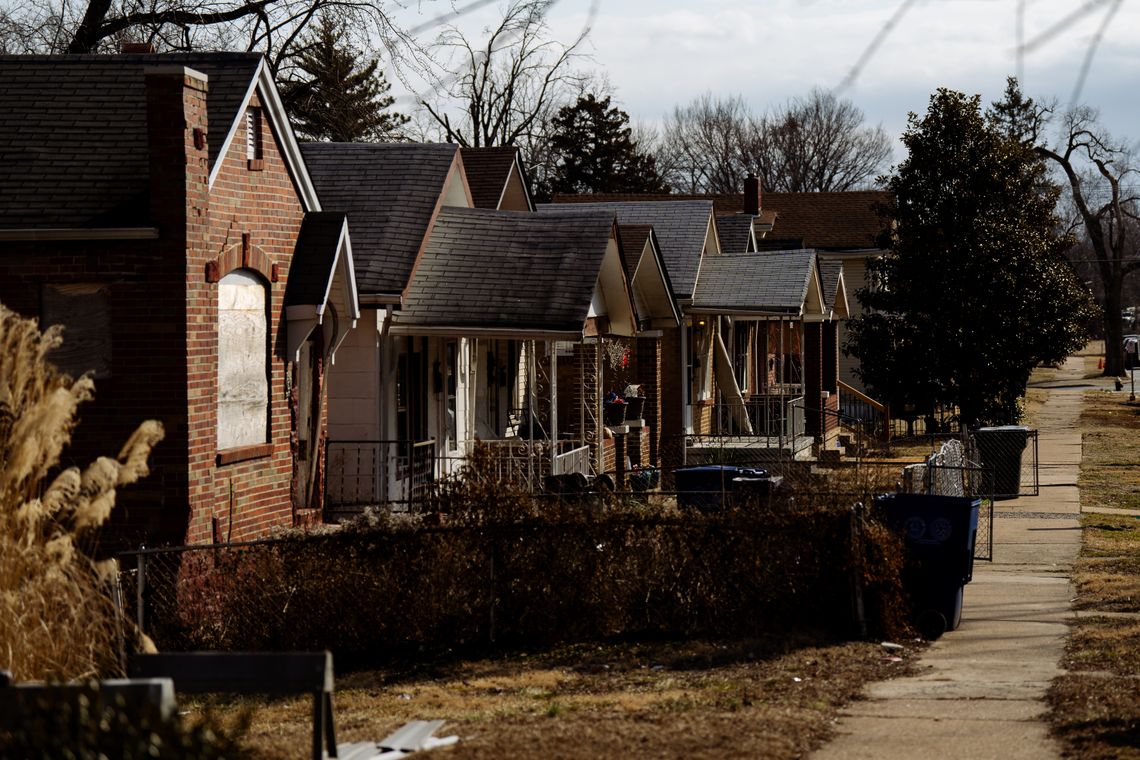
(1003, 429)
(726, 469)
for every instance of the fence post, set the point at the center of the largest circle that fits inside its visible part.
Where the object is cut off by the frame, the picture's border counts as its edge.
(140, 583)
(856, 525)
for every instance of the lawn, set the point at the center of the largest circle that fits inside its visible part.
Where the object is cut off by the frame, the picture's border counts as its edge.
(773, 698)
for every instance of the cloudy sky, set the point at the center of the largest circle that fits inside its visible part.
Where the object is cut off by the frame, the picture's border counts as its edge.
(658, 53)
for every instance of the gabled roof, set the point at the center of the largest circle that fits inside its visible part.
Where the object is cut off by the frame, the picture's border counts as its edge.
(777, 283)
(735, 231)
(829, 221)
(73, 133)
(314, 258)
(648, 274)
(681, 228)
(830, 273)
(488, 171)
(503, 272)
(322, 254)
(390, 192)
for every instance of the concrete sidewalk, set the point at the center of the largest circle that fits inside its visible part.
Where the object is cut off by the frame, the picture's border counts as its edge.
(981, 691)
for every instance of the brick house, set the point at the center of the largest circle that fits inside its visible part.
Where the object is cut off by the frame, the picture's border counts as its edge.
(154, 206)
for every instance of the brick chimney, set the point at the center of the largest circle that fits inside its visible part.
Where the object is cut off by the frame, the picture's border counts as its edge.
(752, 195)
(176, 143)
(135, 48)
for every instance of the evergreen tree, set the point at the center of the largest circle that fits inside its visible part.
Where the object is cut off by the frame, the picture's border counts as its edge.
(595, 153)
(341, 97)
(974, 290)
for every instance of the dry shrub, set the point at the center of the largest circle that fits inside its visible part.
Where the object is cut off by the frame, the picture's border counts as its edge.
(496, 565)
(56, 619)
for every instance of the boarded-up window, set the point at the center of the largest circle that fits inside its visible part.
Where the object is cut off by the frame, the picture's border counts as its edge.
(243, 361)
(84, 311)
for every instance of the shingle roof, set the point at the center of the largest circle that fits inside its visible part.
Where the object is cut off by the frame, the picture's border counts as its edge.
(633, 238)
(488, 170)
(829, 221)
(680, 227)
(735, 232)
(774, 283)
(829, 272)
(73, 136)
(505, 270)
(389, 191)
(311, 268)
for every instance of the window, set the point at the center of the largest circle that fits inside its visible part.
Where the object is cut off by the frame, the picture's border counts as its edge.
(243, 361)
(253, 138)
(84, 312)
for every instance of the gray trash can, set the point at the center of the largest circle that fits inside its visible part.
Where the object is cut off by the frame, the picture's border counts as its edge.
(1001, 449)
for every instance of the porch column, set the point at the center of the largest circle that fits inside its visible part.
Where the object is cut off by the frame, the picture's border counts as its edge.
(648, 360)
(813, 375)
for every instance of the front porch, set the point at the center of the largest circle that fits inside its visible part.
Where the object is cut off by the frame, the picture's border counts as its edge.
(762, 427)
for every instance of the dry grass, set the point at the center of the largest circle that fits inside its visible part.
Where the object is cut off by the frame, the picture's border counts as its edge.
(1096, 706)
(56, 620)
(771, 698)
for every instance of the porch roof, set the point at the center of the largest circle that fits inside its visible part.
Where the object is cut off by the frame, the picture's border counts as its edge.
(770, 283)
(73, 133)
(507, 273)
(323, 254)
(681, 228)
(390, 192)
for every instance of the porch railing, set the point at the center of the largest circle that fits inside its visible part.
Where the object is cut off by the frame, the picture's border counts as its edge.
(872, 415)
(361, 474)
(770, 415)
(400, 474)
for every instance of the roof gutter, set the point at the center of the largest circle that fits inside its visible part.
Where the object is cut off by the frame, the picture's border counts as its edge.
(485, 332)
(71, 233)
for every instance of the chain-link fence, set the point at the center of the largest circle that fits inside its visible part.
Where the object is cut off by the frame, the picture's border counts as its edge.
(953, 471)
(410, 585)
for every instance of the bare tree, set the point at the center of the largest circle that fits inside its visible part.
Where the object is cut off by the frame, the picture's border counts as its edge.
(819, 143)
(273, 27)
(813, 143)
(508, 86)
(1100, 174)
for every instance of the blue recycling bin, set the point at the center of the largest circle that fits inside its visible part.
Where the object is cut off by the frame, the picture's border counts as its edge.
(940, 534)
(708, 487)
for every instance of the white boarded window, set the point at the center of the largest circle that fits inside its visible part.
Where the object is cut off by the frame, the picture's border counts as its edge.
(84, 311)
(243, 361)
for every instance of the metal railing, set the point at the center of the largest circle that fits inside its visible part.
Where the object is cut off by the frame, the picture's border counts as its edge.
(768, 415)
(363, 473)
(873, 416)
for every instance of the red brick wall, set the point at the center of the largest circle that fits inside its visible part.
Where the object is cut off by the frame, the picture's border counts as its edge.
(647, 358)
(164, 327)
(253, 220)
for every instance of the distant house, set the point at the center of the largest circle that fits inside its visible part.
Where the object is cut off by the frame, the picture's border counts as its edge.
(157, 207)
(470, 315)
(840, 226)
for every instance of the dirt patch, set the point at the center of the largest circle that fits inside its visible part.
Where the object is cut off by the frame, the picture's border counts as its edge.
(772, 698)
